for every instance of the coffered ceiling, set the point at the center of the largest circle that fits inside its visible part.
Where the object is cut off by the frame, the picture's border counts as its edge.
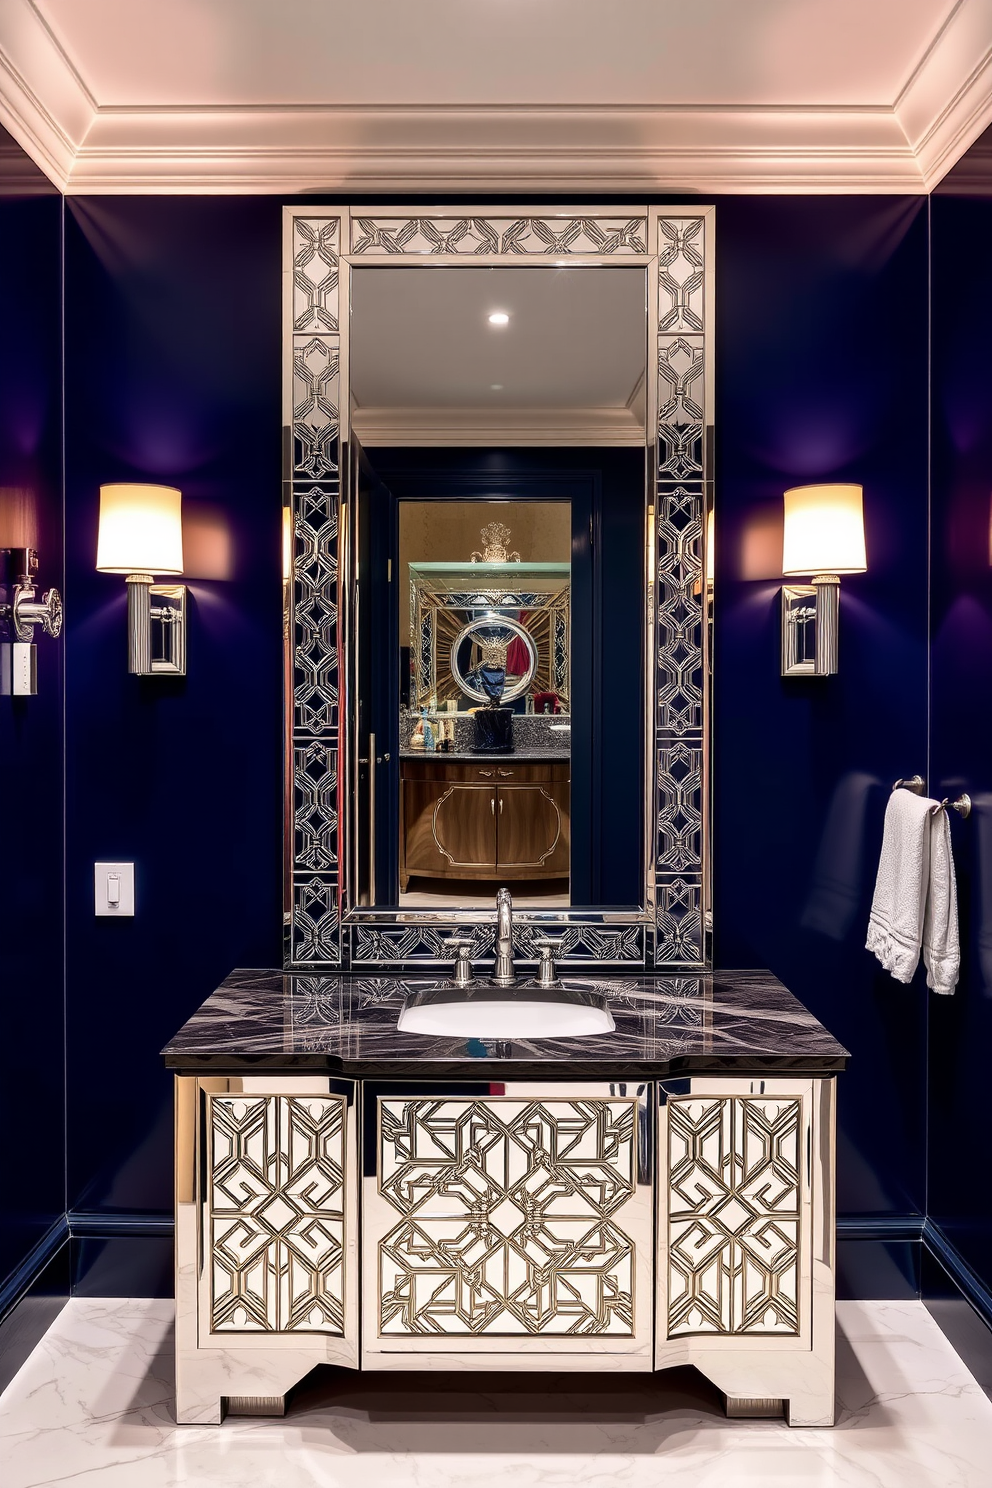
(514, 95)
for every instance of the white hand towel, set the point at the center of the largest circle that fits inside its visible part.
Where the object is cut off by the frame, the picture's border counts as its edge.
(895, 925)
(941, 947)
(915, 901)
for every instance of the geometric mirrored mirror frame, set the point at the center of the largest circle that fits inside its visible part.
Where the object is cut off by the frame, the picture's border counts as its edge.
(671, 929)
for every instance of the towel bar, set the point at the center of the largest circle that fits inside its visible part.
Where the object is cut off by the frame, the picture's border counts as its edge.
(915, 783)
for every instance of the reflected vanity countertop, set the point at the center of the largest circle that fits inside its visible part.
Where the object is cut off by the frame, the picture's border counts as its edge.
(665, 1025)
(471, 756)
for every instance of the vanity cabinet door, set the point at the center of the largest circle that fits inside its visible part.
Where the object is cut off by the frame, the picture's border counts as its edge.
(447, 827)
(532, 827)
(275, 1214)
(500, 1227)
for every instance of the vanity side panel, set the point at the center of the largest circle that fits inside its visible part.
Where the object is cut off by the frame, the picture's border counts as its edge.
(266, 1238)
(745, 1269)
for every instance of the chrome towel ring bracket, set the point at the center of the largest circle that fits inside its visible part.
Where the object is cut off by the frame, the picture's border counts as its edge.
(915, 783)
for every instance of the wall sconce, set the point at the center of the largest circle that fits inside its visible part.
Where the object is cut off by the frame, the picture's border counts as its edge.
(824, 536)
(141, 534)
(20, 612)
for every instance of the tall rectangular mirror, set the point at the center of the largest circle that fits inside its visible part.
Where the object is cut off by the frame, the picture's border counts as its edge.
(497, 610)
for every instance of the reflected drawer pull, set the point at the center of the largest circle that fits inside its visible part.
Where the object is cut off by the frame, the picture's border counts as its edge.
(486, 774)
(504, 773)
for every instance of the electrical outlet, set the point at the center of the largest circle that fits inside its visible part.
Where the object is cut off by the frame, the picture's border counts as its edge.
(114, 887)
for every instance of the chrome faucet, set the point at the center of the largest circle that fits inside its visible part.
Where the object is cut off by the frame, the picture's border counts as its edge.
(503, 974)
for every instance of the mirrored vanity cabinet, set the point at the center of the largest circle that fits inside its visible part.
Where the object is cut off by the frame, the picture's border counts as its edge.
(497, 1111)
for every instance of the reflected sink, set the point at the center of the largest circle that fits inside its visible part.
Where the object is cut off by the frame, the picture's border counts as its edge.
(485, 1011)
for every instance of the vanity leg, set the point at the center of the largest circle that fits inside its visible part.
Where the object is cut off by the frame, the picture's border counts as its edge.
(800, 1387)
(754, 1408)
(256, 1405)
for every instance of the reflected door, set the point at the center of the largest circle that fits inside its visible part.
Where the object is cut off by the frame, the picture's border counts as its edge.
(374, 682)
(532, 827)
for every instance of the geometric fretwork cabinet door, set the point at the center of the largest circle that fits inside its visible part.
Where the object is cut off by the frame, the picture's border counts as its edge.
(266, 1239)
(502, 1226)
(745, 1239)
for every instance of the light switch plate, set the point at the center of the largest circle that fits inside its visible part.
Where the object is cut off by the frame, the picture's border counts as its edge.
(114, 884)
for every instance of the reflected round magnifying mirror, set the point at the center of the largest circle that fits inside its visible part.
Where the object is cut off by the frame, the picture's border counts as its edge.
(491, 639)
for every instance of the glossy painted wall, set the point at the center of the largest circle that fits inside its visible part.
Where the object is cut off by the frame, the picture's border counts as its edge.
(32, 1195)
(822, 375)
(960, 1123)
(173, 373)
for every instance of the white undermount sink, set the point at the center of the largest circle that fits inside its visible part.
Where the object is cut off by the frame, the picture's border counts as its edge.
(485, 1011)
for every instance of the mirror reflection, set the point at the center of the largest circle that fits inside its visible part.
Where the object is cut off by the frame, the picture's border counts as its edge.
(484, 740)
(498, 511)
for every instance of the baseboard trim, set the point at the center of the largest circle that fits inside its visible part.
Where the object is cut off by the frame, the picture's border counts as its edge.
(968, 1282)
(92, 1224)
(885, 1227)
(84, 1224)
(99, 1225)
(23, 1277)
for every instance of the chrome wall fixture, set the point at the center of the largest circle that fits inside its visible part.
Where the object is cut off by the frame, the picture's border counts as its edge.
(325, 923)
(20, 612)
(915, 783)
(824, 536)
(140, 536)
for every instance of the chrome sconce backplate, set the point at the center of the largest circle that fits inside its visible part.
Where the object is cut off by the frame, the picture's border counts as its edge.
(810, 616)
(156, 627)
(20, 612)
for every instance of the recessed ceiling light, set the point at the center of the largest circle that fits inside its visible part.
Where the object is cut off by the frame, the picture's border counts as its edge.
(497, 387)
(499, 318)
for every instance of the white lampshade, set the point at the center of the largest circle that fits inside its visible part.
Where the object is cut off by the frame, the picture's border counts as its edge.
(824, 530)
(141, 530)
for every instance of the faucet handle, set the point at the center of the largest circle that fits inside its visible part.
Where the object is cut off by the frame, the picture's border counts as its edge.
(462, 947)
(547, 950)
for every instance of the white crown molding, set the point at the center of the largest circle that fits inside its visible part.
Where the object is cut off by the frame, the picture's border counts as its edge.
(947, 102)
(44, 103)
(507, 426)
(460, 148)
(85, 148)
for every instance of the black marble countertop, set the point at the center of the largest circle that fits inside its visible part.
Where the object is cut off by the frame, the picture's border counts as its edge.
(723, 1021)
(471, 756)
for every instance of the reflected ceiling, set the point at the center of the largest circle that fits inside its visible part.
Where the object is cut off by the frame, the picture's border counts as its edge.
(421, 338)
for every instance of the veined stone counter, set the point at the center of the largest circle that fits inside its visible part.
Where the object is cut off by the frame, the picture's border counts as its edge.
(731, 1020)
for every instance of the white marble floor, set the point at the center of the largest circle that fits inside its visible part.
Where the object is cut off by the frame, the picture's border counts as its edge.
(93, 1406)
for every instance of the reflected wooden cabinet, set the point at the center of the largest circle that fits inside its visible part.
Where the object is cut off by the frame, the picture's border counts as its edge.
(484, 821)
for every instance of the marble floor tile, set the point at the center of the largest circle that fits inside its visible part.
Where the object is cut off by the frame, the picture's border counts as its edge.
(92, 1406)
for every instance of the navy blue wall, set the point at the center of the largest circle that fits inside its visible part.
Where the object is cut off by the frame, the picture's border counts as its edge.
(173, 375)
(960, 1123)
(822, 375)
(32, 1195)
(173, 372)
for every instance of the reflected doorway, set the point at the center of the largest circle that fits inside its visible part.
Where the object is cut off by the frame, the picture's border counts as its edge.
(485, 720)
